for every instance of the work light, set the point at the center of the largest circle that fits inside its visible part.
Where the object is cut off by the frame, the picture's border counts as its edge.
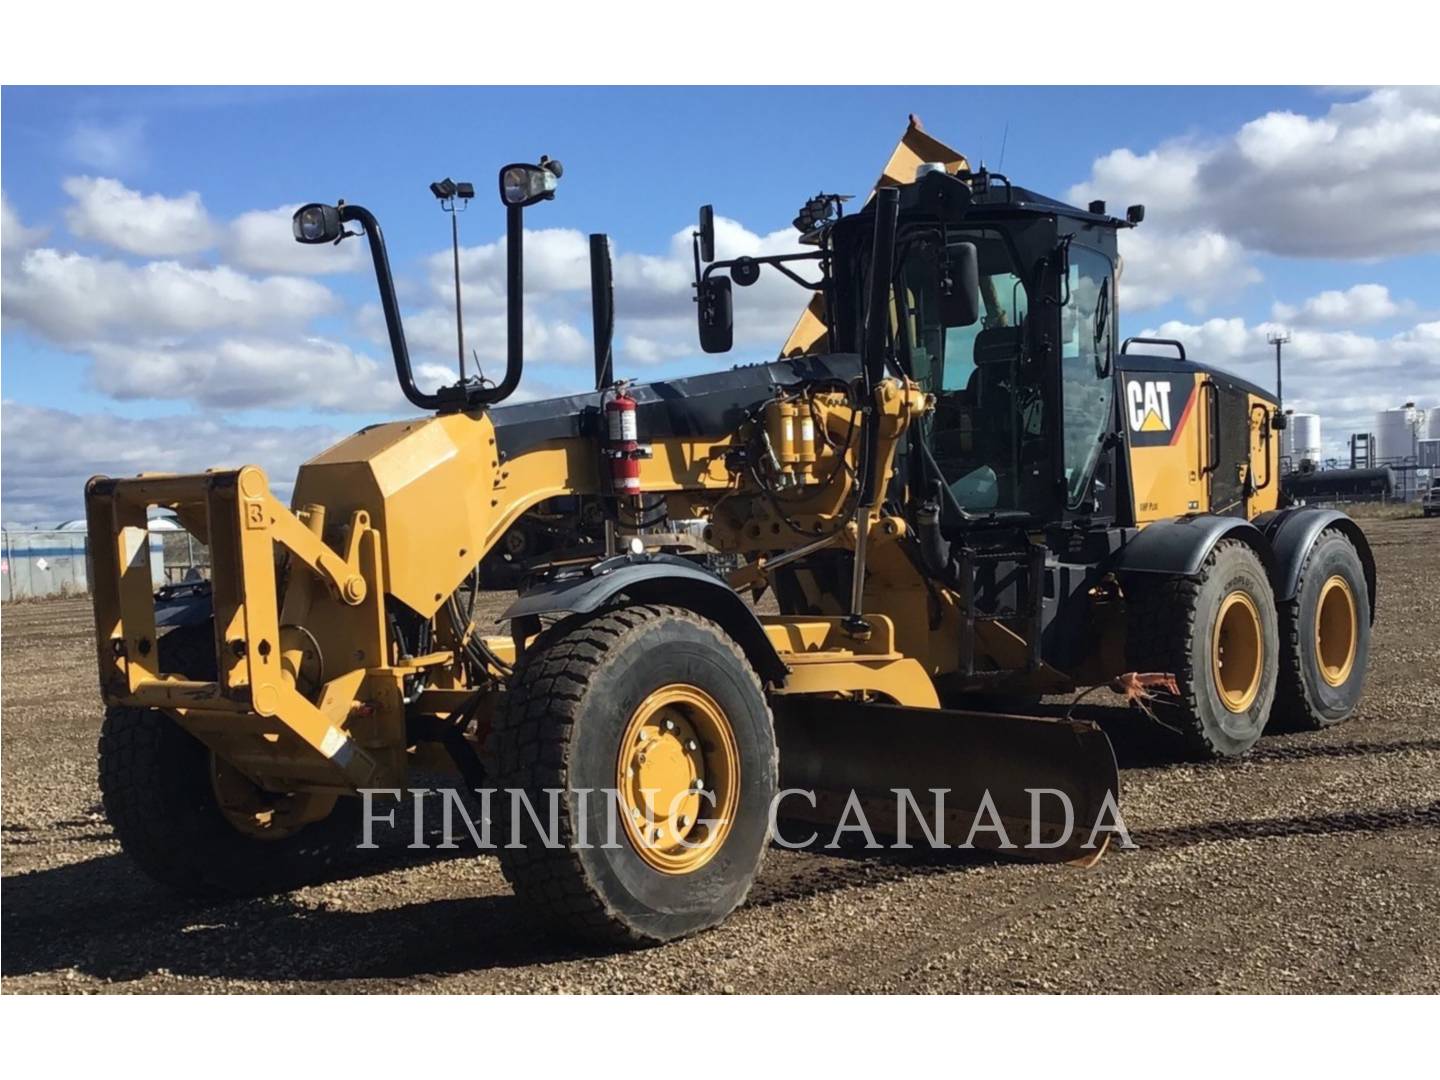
(316, 223)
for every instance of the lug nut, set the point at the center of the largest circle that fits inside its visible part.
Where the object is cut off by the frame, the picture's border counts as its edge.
(669, 725)
(690, 745)
(698, 784)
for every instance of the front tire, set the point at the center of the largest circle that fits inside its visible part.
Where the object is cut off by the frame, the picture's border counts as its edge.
(603, 708)
(1218, 634)
(1324, 638)
(161, 789)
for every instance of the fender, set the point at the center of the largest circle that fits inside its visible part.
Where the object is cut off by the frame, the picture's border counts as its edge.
(656, 579)
(1180, 546)
(1293, 531)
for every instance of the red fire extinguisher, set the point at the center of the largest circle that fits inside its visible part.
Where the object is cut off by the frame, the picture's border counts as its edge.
(623, 443)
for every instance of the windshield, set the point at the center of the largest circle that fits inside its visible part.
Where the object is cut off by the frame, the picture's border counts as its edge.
(987, 432)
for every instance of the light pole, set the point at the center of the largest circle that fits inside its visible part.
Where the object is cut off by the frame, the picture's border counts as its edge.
(1278, 338)
(449, 192)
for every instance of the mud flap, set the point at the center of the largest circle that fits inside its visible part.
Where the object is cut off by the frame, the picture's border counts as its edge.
(832, 748)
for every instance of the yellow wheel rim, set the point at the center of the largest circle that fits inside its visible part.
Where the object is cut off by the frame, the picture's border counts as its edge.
(1335, 631)
(678, 776)
(1237, 652)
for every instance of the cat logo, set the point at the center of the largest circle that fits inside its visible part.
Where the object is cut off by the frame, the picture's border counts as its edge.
(1156, 408)
(1149, 404)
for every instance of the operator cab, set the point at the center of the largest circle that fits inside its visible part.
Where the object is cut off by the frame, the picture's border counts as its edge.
(1025, 400)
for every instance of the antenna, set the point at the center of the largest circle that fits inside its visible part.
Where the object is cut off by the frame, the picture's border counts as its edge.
(1005, 138)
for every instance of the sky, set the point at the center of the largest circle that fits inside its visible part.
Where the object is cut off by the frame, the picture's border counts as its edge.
(155, 313)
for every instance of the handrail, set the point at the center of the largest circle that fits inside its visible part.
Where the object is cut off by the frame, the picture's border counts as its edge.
(1177, 346)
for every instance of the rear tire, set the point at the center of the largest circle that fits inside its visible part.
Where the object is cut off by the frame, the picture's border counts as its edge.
(159, 794)
(1218, 634)
(583, 700)
(1324, 638)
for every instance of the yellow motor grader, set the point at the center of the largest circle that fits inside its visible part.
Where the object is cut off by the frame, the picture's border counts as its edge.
(962, 489)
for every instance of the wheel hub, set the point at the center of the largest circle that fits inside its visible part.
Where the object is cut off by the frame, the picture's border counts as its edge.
(678, 775)
(1237, 652)
(258, 813)
(1336, 631)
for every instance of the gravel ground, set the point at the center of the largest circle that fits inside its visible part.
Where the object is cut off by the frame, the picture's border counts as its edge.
(1312, 865)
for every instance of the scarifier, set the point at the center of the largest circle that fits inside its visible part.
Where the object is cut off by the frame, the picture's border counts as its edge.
(963, 491)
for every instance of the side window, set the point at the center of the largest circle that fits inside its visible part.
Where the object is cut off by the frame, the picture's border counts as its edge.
(1086, 360)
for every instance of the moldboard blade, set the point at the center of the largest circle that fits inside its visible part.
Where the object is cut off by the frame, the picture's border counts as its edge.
(834, 748)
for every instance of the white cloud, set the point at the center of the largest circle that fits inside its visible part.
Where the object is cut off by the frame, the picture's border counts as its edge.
(653, 294)
(116, 147)
(1360, 182)
(243, 373)
(50, 453)
(262, 241)
(644, 350)
(108, 212)
(1164, 180)
(655, 313)
(556, 261)
(430, 335)
(72, 298)
(1357, 304)
(1344, 376)
(14, 234)
(1198, 265)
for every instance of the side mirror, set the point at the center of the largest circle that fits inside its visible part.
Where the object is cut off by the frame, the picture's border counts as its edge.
(960, 293)
(707, 234)
(717, 315)
(1135, 214)
(525, 185)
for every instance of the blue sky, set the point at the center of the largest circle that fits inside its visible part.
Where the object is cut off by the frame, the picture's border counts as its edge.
(154, 303)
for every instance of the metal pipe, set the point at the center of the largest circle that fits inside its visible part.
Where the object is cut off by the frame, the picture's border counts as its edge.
(800, 552)
(514, 306)
(391, 307)
(602, 309)
(459, 319)
(877, 324)
(857, 577)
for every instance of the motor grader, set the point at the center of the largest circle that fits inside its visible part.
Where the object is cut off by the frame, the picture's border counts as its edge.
(962, 489)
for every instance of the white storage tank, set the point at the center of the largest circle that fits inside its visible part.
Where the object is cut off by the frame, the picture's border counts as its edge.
(1396, 433)
(1300, 440)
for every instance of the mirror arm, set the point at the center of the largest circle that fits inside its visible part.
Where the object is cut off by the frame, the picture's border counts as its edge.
(514, 310)
(388, 303)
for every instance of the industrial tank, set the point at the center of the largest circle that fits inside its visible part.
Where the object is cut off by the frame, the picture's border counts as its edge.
(1338, 485)
(1396, 432)
(1300, 440)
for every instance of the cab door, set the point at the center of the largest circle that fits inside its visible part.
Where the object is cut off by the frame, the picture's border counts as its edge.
(1228, 433)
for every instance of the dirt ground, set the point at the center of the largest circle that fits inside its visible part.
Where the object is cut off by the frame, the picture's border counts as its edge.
(1313, 865)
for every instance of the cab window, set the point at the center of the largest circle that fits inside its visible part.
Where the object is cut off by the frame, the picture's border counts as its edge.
(1086, 358)
(987, 431)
